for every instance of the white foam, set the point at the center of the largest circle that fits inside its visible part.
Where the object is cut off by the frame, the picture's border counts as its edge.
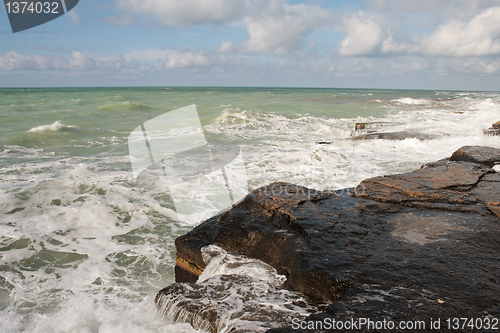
(54, 127)
(277, 148)
(58, 208)
(254, 288)
(219, 262)
(412, 101)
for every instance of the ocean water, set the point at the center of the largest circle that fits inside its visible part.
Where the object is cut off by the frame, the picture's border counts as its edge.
(85, 248)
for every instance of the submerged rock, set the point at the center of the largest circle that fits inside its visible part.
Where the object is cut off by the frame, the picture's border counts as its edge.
(494, 129)
(233, 303)
(372, 130)
(401, 135)
(492, 132)
(412, 246)
(374, 124)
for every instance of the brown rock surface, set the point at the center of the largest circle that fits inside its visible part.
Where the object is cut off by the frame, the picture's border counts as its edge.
(438, 187)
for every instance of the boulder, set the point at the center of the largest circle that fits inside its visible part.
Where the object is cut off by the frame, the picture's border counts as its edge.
(477, 154)
(439, 187)
(412, 246)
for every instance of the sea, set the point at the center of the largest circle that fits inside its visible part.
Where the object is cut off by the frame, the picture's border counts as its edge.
(85, 247)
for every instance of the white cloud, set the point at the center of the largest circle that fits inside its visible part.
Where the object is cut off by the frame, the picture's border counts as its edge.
(370, 35)
(226, 47)
(186, 12)
(74, 17)
(364, 35)
(121, 20)
(283, 28)
(183, 58)
(148, 54)
(200, 58)
(459, 9)
(77, 61)
(479, 37)
(273, 25)
(472, 65)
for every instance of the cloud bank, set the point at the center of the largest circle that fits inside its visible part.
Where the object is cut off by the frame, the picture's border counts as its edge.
(272, 40)
(76, 62)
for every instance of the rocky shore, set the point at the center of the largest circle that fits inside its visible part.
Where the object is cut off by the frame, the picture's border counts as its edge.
(416, 246)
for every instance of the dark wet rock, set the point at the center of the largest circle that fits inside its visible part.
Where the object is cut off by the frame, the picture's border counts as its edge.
(493, 130)
(373, 125)
(401, 135)
(414, 246)
(477, 154)
(378, 130)
(488, 192)
(441, 162)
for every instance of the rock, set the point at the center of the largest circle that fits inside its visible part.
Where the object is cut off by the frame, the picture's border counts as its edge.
(476, 154)
(441, 162)
(440, 187)
(375, 124)
(493, 130)
(413, 246)
(205, 305)
(401, 135)
(371, 131)
(488, 192)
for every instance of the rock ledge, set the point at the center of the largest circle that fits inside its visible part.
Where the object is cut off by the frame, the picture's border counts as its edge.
(413, 246)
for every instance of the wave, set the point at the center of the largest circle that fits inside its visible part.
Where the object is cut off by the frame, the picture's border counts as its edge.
(412, 101)
(55, 127)
(133, 106)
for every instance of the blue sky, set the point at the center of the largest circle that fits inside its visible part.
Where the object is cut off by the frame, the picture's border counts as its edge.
(426, 44)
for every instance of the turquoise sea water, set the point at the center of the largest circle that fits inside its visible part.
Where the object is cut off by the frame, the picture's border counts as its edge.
(83, 248)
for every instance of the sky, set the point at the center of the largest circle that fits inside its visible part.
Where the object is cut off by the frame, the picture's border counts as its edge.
(379, 44)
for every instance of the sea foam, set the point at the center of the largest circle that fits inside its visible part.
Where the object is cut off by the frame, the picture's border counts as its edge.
(55, 127)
